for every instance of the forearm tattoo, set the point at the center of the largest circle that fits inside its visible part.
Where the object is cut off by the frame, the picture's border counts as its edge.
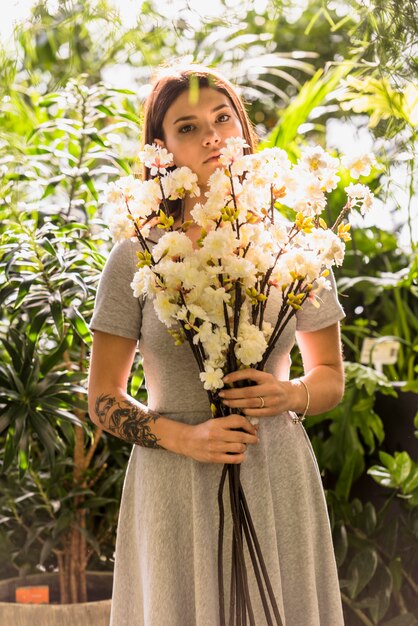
(126, 420)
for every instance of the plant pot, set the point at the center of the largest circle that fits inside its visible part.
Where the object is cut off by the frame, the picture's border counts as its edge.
(397, 415)
(93, 613)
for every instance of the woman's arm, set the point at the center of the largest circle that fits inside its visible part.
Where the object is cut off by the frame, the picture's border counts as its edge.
(111, 408)
(324, 377)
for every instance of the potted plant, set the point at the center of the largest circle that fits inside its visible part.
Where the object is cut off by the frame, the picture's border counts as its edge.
(61, 477)
(391, 300)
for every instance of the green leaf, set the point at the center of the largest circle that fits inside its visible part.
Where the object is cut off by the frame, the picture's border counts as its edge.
(37, 324)
(407, 619)
(381, 475)
(352, 467)
(383, 583)
(340, 540)
(411, 482)
(6, 418)
(137, 380)
(57, 314)
(80, 325)
(9, 452)
(361, 570)
(46, 434)
(131, 117)
(123, 164)
(387, 460)
(97, 139)
(367, 518)
(50, 188)
(403, 467)
(106, 110)
(128, 92)
(54, 357)
(395, 567)
(90, 185)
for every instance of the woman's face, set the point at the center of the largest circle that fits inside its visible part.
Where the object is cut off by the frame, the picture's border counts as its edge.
(196, 132)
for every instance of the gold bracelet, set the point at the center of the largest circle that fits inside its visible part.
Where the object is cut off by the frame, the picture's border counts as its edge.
(298, 419)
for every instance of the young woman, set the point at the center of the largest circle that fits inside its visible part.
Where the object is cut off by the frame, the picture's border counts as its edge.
(166, 555)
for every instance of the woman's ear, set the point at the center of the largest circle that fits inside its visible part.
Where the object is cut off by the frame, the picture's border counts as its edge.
(161, 143)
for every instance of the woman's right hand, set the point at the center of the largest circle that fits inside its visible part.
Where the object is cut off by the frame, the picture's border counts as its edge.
(219, 440)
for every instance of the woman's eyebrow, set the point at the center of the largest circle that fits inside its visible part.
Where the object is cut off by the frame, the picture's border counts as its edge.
(185, 118)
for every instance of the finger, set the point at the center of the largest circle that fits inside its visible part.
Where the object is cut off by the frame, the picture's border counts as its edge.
(222, 458)
(237, 421)
(247, 374)
(248, 403)
(232, 459)
(236, 448)
(238, 437)
(245, 392)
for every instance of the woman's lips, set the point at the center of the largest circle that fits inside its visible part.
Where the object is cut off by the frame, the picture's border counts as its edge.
(215, 157)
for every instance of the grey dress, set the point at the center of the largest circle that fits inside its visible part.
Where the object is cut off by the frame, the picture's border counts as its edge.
(166, 553)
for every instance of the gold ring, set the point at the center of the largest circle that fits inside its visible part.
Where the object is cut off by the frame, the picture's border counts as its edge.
(262, 405)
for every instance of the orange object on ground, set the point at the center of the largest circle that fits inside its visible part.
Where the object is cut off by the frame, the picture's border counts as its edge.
(32, 595)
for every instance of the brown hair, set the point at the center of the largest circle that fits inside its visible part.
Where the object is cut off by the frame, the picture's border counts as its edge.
(173, 81)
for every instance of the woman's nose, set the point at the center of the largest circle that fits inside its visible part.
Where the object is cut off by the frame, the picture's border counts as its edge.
(211, 137)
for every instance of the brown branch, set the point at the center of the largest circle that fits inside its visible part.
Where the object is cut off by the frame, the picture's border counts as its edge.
(362, 616)
(97, 434)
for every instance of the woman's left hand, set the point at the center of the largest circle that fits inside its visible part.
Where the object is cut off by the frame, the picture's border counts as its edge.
(268, 397)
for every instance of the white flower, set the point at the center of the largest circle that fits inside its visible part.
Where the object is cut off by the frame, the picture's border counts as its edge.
(212, 299)
(212, 378)
(142, 280)
(279, 233)
(334, 253)
(174, 245)
(114, 194)
(310, 198)
(241, 165)
(317, 161)
(267, 330)
(219, 243)
(165, 309)
(261, 258)
(146, 200)
(233, 150)
(179, 182)
(207, 214)
(360, 192)
(219, 183)
(251, 344)
(190, 274)
(215, 346)
(124, 190)
(238, 268)
(198, 312)
(120, 226)
(204, 333)
(305, 263)
(278, 156)
(155, 158)
(323, 283)
(359, 164)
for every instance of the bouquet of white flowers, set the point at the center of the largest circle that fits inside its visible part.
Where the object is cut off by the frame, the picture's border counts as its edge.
(215, 296)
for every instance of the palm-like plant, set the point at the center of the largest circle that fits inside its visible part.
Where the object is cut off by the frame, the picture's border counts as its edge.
(50, 259)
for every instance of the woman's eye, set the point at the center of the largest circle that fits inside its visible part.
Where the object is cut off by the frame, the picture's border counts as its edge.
(224, 117)
(186, 129)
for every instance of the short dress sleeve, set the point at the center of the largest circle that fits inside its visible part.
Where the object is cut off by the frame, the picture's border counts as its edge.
(117, 311)
(330, 311)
